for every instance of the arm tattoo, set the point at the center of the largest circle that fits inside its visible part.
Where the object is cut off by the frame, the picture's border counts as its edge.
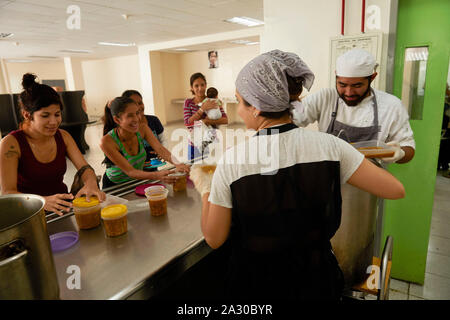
(11, 153)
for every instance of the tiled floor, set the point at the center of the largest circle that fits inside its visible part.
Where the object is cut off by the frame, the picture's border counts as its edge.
(437, 277)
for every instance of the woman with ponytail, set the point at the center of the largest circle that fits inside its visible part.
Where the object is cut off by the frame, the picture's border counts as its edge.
(33, 159)
(123, 145)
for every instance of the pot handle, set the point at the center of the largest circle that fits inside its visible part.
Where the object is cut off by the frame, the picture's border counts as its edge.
(13, 258)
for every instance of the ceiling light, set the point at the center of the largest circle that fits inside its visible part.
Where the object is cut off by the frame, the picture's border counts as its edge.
(182, 49)
(43, 57)
(251, 43)
(75, 51)
(117, 44)
(246, 21)
(4, 35)
(240, 41)
(18, 61)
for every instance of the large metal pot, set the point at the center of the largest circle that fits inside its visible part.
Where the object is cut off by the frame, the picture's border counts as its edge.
(27, 270)
(353, 243)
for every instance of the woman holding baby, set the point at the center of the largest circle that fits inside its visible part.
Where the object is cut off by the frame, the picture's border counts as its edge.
(201, 108)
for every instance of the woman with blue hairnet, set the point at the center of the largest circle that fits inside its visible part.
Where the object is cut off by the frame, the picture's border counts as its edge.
(280, 210)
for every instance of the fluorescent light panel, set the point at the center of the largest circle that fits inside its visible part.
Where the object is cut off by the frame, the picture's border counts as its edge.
(117, 44)
(18, 61)
(75, 51)
(246, 21)
(240, 41)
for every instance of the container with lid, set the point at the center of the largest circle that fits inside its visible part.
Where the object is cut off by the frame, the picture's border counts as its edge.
(86, 213)
(115, 219)
(157, 200)
(180, 183)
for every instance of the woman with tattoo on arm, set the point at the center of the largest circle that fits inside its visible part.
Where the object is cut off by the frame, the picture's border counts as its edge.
(33, 159)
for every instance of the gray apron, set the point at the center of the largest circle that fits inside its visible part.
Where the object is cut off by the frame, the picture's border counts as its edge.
(355, 134)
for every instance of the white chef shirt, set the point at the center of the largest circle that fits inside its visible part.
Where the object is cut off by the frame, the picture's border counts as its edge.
(392, 116)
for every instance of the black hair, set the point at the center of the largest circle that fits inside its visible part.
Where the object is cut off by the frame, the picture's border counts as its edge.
(295, 85)
(295, 88)
(129, 93)
(209, 53)
(115, 108)
(36, 96)
(196, 76)
(212, 93)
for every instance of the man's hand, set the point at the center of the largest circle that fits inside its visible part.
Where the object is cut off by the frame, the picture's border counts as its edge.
(398, 155)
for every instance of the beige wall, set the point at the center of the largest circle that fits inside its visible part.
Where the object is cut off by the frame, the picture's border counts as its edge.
(107, 78)
(171, 73)
(173, 88)
(45, 70)
(231, 61)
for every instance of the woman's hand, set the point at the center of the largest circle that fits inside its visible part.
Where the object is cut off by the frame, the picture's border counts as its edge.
(209, 104)
(163, 175)
(90, 190)
(58, 204)
(182, 168)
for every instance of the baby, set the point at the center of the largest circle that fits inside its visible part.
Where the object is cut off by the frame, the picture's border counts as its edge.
(215, 113)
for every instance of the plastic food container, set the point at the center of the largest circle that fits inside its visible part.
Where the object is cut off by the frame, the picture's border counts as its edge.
(157, 200)
(115, 219)
(180, 183)
(374, 149)
(209, 169)
(86, 213)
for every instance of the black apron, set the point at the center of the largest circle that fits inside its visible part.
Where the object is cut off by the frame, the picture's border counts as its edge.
(355, 134)
(281, 230)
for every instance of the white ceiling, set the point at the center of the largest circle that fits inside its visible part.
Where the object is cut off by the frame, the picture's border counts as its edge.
(39, 26)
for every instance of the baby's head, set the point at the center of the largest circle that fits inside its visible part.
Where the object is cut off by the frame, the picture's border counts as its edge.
(212, 93)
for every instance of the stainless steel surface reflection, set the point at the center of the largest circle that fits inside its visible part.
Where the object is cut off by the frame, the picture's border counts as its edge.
(353, 243)
(117, 268)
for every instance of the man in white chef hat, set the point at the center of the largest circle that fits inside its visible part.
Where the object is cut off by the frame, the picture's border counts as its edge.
(355, 112)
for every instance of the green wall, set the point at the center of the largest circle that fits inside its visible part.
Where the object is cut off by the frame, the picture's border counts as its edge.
(420, 23)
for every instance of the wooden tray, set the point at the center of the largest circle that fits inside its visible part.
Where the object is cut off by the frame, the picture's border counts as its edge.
(376, 152)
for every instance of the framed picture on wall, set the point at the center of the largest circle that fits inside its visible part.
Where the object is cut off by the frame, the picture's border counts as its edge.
(213, 58)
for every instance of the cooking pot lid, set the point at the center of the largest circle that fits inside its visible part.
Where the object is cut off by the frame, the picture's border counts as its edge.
(63, 240)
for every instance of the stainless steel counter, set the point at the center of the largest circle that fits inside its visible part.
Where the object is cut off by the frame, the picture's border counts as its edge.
(138, 264)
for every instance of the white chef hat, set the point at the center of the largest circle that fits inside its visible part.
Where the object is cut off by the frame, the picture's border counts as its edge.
(355, 63)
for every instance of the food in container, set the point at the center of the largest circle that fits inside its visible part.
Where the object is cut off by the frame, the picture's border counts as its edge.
(87, 214)
(209, 168)
(180, 183)
(157, 200)
(374, 149)
(115, 219)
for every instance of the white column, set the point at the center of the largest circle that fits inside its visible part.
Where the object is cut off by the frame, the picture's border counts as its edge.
(5, 86)
(69, 74)
(146, 79)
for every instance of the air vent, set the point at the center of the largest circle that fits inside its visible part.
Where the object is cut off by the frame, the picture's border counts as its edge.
(4, 35)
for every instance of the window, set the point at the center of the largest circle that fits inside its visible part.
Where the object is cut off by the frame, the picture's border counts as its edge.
(414, 75)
